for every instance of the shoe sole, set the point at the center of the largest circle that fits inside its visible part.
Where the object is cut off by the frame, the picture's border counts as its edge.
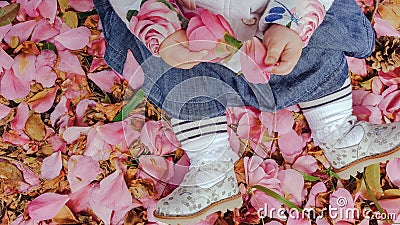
(223, 205)
(358, 165)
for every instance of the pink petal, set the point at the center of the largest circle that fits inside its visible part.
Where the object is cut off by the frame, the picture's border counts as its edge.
(6, 61)
(48, 9)
(21, 30)
(158, 137)
(12, 88)
(20, 221)
(112, 195)
(358, 96)
(315, 190)
(29, 176)
(390, 78)
(383, 28)
(392, 169)
(341, 199)
(15, 137)
(82, 170)
(133, 72)
(390, 102)
(43, 104)
(81, 5)
(389, 90)
(4, 111)
(376, 115)
(71, 134)
(292, 220)
(371, 99)
(69, 63)
(157, 167)
(44, 68)
(24, 66)
(46, 206)
(306, 164)
(60, 110)
(362, 112)
(281, 121)
(292, 182)
(57, 143)
(79, 200)
(357, 66)
(51, 166)
(81, 109)
(43, 31)
(96, 146)
(290, 143)
(21, 117)
(74, 39)
(104, 79)
(377, 86)
(4, 30)
(112, 133)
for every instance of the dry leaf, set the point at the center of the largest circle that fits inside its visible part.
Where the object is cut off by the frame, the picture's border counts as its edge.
(65, 216)
(142, 188)
(391, 13)
(391, 193)
(373, 178)
(40, 95)
(10, 171)
(63, 5)
(28, 47)
(8, 13)
(35, 127)
(134, 218)
(14, 41)
(71, 19)
(240, 171)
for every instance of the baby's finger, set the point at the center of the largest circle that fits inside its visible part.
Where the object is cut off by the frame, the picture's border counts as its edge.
(288, 61)
(283, 68)
(274, 52)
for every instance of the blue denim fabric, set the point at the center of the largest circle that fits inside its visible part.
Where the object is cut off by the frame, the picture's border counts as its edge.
(208, 88)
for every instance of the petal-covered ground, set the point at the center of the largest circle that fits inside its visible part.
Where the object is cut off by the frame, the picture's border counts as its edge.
(65, 159)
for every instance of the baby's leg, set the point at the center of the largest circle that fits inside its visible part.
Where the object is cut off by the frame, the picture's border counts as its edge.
(348, 145)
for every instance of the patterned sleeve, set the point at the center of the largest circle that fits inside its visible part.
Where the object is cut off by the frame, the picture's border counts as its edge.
(154, 21)
(302, 16)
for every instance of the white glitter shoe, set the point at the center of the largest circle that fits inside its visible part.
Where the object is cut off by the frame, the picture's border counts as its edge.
(205, 189)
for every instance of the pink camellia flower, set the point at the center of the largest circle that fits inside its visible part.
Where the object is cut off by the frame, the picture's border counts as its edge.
(154, 22)
(158, 137)
(208, 31)
(252, 58)
(314, 14)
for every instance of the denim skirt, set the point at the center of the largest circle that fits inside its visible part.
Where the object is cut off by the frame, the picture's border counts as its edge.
(208, 88)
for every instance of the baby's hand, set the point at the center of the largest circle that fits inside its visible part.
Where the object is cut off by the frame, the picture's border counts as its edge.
(284, 46)
(174, 51)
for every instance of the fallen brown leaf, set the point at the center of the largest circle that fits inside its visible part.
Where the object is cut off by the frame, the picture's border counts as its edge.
(71, 19)
(391, 13)
(65, 216)
(35, 127)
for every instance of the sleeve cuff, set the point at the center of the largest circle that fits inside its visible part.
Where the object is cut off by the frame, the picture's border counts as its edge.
(302, 16)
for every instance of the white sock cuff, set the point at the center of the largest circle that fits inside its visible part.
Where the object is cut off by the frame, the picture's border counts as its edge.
(340, 95)
(190, 131)
(328, 114)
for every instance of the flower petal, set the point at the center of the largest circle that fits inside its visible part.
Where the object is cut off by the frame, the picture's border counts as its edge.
(82, 170)
(21, 117)
(74, 39)
(46, 206)
(133, 72)
(51, 166)
(12, 88)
